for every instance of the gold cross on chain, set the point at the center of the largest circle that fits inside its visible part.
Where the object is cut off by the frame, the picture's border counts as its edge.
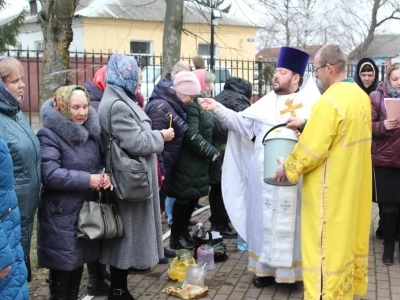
(291, 108)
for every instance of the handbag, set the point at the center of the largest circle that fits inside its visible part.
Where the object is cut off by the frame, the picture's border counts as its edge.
(100, 219)
(129, 175)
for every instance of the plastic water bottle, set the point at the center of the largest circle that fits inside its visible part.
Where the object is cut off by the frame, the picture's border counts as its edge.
(241, 244)
(200, 231)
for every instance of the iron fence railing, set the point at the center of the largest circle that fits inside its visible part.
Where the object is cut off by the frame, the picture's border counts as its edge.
(85, 64)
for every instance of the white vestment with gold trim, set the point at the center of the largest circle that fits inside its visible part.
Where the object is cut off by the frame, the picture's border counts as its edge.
(266, 216)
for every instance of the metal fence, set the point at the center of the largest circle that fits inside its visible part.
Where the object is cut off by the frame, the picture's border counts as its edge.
(85, 64)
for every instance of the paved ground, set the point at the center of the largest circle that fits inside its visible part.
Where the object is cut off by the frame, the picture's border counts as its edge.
(230, 280)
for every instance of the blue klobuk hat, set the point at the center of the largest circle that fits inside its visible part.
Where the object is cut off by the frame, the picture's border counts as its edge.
(293, 59)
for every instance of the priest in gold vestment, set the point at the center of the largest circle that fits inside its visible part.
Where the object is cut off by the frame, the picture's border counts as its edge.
(334, 156)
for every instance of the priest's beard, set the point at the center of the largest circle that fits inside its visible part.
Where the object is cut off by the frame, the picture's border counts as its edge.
(282, 88)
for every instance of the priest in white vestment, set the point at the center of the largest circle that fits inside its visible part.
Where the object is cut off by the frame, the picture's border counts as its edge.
(266, 216)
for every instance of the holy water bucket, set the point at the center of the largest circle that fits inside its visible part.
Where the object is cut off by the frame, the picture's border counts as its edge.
(280, 145)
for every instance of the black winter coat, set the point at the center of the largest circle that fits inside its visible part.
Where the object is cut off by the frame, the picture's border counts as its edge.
(95, 94)
(235, 96)
(190, 178)
(70, 153)
(163, 103)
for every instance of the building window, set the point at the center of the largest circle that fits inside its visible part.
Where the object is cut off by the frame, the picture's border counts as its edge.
(39, 45)
(141, 47)
(204, 50)
(19, 46)
(142, 50)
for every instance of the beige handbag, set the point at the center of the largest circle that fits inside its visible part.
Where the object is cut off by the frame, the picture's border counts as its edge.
(100, 219)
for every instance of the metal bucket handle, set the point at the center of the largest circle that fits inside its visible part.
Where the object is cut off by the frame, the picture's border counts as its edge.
(272, 129)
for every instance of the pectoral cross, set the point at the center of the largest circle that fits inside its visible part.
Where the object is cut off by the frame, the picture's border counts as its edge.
(268, 204)
(285, 205)
(291, 108)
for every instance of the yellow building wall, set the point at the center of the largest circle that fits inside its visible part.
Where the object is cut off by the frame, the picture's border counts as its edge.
(114, 35)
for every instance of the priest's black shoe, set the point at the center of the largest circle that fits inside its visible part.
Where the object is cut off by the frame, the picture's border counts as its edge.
(169, 253)
(263, 281)
(137, 269)
(181, 243)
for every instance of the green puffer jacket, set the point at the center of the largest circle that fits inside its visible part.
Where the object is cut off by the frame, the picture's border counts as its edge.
(189, 177)
(24, 148)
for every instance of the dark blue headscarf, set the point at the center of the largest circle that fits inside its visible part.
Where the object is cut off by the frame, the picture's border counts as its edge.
(5, 94)
(122, 72)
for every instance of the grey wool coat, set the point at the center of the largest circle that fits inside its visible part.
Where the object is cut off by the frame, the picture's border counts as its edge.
(141, 244)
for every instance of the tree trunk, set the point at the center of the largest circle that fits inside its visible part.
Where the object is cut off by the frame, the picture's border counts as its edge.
(172, 34)
(56, 21)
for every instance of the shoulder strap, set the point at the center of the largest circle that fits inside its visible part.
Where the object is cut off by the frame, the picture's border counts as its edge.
(110, 133)
(110, 138)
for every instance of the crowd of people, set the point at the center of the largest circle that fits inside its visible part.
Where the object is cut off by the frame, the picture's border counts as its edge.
(193, 146)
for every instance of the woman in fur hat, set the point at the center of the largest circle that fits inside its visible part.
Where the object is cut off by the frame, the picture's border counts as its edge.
(71, 174)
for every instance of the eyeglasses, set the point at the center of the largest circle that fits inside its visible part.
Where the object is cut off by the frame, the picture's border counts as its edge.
(316, 69)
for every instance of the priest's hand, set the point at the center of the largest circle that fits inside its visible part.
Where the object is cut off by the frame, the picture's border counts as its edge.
(280, 175)
(208, 104)
(391, 124)
(295, 123)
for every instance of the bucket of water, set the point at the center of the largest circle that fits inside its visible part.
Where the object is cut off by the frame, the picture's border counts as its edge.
(281, 144)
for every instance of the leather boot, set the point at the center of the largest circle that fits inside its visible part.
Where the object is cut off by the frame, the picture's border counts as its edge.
(98, 284)
(179, 227)
(180, 243)
(389, 224)
(169, 253)
(58, 284)
(187, 215)
(226, 231)
(75, 277)
(119, 285)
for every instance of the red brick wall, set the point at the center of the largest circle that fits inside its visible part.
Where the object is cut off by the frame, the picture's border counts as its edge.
(82, 69)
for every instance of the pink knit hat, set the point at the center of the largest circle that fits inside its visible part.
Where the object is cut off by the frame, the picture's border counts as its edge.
(201, 75)
(186, 83)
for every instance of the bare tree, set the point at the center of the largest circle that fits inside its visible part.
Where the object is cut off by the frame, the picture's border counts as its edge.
(172, 34)
(357, 22)
(56, 21)
(267, 36)
(298, 21)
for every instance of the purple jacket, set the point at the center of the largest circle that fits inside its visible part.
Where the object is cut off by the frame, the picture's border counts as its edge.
(385, 144)
(70, 153)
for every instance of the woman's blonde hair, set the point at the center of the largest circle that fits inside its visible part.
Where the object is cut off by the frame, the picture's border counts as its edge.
(10, 65)
(395, 66)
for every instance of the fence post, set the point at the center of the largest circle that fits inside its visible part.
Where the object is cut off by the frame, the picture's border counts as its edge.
(383, 71)
(260, 78)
